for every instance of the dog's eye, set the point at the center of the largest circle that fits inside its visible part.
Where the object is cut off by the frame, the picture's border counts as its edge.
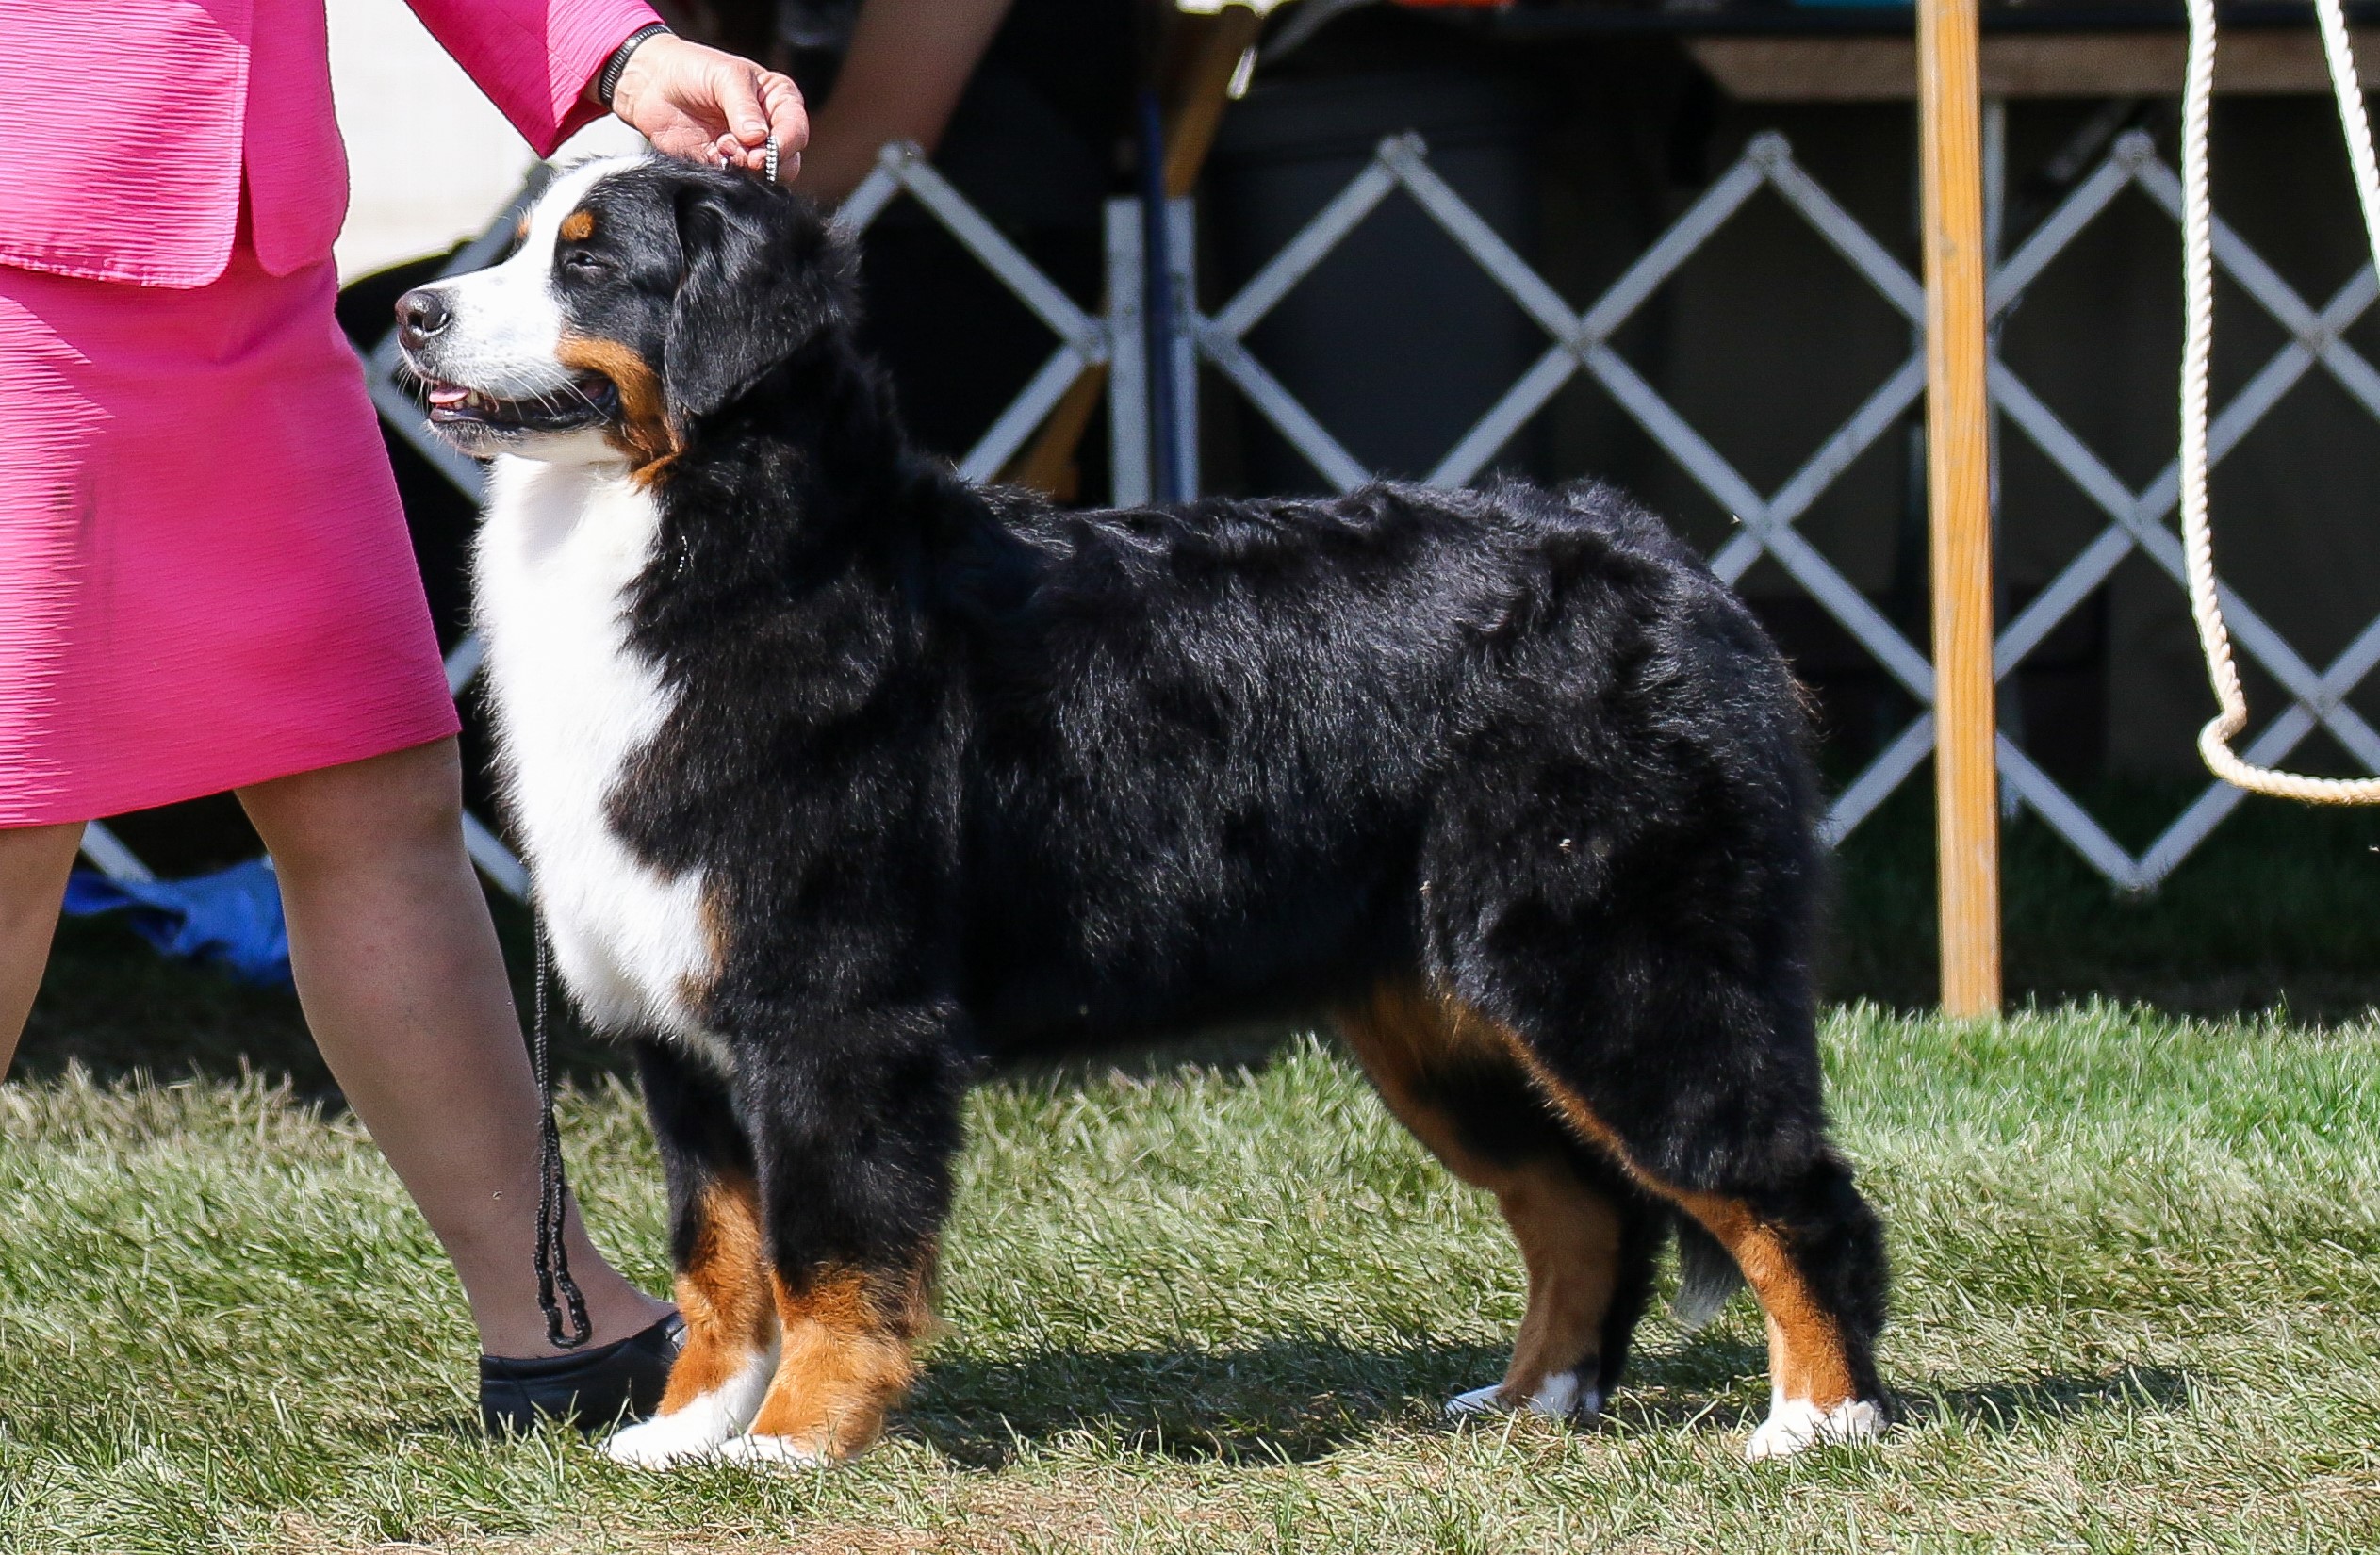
(580, 259)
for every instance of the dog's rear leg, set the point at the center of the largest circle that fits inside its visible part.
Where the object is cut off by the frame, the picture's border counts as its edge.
(719, 1245)
(1588, 1237)
(1738, 1144)
(855, 1132)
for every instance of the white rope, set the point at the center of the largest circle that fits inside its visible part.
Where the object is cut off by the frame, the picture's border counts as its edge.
(2198, 293)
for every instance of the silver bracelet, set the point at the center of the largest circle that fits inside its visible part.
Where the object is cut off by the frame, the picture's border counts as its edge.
(608, 81)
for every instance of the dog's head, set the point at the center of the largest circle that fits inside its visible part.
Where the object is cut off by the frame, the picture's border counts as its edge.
(643, 296)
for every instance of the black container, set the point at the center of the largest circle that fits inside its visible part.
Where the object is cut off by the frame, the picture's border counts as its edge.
(1397, 342)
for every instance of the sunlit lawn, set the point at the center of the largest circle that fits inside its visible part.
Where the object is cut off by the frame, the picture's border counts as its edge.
(1212, 1307)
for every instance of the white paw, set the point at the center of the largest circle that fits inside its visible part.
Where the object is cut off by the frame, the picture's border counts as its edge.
(694, 1432)
(1794, 1425)
(777, 1452)
(1561, 1396)
(690, 1437)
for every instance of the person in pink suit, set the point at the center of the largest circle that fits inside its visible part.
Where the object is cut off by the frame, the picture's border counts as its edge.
(205, 581)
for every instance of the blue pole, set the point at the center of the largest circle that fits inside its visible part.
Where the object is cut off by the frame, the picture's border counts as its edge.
(1157, 303)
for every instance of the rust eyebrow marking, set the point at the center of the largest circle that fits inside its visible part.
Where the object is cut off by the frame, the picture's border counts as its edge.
(578, 226)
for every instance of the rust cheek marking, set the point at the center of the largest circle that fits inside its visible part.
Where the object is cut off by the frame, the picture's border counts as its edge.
(1806, 1350)
(846, 1357)
(578, 226)
(644, 432)
(724, 1294)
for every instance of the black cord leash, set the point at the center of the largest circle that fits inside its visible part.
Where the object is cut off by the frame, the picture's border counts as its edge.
(555, 1288)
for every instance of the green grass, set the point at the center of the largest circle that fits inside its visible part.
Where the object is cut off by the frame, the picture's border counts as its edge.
(1212, 1307)
(2276, 908)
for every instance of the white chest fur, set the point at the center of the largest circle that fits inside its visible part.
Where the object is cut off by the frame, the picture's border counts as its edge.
(557, 552)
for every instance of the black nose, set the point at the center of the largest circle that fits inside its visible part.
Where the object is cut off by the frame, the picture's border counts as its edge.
(419, 314)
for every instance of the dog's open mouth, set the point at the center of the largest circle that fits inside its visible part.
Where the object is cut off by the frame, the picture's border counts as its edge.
(588, 400)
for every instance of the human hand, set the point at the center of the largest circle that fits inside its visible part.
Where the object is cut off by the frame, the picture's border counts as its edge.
(712, 108)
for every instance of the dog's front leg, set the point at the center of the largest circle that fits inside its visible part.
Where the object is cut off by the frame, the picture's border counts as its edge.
(854, 1122)
(719, 1245)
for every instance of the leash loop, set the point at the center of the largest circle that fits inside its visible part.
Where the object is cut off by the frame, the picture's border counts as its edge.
(556, 1290)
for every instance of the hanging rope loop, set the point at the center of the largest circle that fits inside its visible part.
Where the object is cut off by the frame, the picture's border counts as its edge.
(2198, 298)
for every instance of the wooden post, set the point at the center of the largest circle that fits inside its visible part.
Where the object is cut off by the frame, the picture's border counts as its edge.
(1959, 492)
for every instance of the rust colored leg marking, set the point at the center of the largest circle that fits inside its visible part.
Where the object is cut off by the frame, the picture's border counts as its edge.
(1570, 1240)
(1807, 1360)
(1570, 1235)
(723, 1293)
(1806, 1357)
(845, 1358)
(1402, 1036)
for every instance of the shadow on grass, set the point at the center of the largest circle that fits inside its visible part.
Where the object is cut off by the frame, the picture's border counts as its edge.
(1276, 1402)
(1283, 1400)
(1288, 1398)
(1694, 1387)
(1998, 1407)
(1295, 1399)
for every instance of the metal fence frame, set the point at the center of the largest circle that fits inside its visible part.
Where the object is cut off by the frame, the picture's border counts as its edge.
(1580, 341)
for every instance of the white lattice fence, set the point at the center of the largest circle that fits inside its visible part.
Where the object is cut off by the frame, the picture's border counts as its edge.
(1580, 341)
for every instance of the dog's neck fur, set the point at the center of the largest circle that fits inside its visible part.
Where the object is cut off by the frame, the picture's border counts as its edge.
(803, 481)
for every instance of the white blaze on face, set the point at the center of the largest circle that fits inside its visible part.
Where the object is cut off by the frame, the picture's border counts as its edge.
(505, 323)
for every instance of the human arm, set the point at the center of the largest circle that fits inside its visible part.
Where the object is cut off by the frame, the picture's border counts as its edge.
(908, 63)
(538, 60)
(708, 106)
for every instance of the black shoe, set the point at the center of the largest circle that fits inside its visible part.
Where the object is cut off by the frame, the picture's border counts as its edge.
(617, 1384)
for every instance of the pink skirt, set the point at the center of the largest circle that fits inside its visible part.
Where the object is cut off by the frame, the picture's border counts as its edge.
(205, 580)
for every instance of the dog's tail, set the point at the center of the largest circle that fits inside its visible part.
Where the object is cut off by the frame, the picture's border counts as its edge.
(1706, 1276)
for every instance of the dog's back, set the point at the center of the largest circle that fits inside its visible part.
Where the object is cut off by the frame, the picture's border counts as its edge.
(1205, 747)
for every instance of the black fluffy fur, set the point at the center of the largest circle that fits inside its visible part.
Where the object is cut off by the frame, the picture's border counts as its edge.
(973, 775)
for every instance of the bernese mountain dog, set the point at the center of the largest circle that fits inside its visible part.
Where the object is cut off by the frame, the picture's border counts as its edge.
(840, 778)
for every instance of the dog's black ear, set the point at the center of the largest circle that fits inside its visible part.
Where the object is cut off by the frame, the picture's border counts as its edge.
(762, 275)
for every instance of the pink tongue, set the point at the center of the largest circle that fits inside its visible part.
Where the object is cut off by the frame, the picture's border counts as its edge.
(448, 394)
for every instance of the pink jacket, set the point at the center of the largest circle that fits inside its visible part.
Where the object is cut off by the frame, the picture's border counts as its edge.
(128, 127)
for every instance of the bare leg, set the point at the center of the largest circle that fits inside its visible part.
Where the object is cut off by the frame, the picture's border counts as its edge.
(398, 968)
(33, 865)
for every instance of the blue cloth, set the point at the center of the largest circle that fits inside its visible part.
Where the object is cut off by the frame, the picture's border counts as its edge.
(230, 918)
